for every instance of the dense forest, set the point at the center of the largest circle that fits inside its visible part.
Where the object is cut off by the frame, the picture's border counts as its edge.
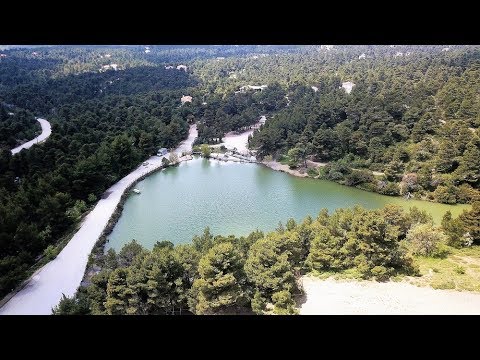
(16, 127)
(416, 121)
(95, 141)
(235, 111)
(412, 115)
(105, 120)
(94, 144)
(260, 273)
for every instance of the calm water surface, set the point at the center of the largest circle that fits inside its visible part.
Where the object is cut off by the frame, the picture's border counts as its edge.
(231, 198)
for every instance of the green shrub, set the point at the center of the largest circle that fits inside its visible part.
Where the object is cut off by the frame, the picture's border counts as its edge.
(381, 273)
(388, 188)
(358, 177)
(459, 269)
(50, 252)
(312, 172)
(283, 302)
(444, 285)
(426, 240)
(446, 194)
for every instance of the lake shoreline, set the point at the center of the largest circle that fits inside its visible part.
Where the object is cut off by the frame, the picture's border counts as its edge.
(275, 165)
(99, 247)
(231, 198)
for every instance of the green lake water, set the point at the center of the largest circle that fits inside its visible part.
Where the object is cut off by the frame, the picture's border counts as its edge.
(232, 198)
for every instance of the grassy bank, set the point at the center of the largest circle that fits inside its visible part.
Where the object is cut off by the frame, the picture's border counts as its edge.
(458, 270)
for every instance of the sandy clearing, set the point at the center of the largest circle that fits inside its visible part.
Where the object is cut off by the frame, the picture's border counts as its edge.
(46, 131)
(63, 274)
(240, 141)
(275, 165)
(395, 298)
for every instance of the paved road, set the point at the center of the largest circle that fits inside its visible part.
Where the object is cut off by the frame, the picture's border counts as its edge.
(46, 131)
(64, 274)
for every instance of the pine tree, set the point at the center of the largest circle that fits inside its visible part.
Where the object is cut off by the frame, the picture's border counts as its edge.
(469, 169)
(471, 222)
(118, 292)
(220, 286)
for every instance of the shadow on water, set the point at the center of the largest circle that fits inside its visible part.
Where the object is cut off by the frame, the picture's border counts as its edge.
(206, 164)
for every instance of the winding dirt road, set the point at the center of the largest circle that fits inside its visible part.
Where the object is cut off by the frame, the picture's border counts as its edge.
(46, 131)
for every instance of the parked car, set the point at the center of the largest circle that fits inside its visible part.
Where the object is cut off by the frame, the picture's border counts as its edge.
(162, 151)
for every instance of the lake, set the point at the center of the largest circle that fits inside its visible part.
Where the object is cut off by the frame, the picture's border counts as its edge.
(231, 198)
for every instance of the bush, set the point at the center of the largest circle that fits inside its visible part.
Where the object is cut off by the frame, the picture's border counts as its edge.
(444, 285)
(426, 240)
(388, 188)
(467, 194)
(459, 269)
(381, 273)
(50, 252)
(312, 172)
(283, 302)
(368, 187)
(206, 151)
(358, 177)
(334, 176)
(409, 183)
(76, 211)
(258, 303)
(165, 162)
(91, 198)
(446, 194)
(335, 171)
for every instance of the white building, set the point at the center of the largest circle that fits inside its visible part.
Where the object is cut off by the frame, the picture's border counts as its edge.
(185, 99)
(253, 87)
(348, 86)
(108, 67)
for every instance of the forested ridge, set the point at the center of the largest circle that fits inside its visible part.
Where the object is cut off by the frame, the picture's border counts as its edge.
(414, 119)
(413, 114)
